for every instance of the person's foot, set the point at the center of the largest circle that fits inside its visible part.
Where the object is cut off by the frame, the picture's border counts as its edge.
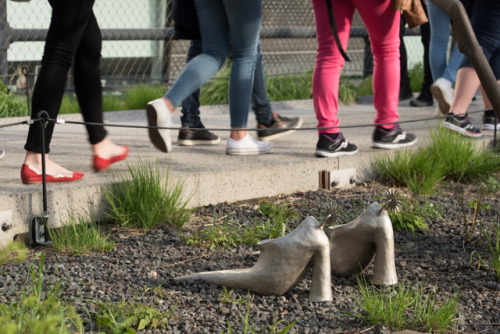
(391, 139)
(189, 137)
(334, 145)
(280, 126)
(247, 146)
(490, 121)
(31, 171)
(443, 93)
(2, 153)
(106, 153)
(462, 125)
(159, 115)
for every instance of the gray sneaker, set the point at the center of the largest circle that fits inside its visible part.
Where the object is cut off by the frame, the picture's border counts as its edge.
(159, 116)
(280, 126)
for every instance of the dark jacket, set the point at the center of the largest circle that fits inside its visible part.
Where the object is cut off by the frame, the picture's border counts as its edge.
(186, 20)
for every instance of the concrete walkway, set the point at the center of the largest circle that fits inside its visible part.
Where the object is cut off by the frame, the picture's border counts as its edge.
(208, 173)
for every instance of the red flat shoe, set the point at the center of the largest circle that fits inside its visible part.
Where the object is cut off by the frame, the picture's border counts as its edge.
(30, 175)
(101, 164)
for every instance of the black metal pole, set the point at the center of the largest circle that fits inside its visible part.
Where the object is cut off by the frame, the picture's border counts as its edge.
(26, 76)
(44, 116)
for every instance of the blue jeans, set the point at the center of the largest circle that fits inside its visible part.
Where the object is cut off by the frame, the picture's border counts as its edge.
(260, 103)
(223, 22)
(485, 21)
(440, 37)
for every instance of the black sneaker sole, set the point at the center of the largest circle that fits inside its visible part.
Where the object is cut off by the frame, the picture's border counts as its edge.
(277, 134)
(193, 142)
(154, 134)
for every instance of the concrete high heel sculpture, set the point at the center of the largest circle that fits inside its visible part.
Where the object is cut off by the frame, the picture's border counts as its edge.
(354, 245)
(282, 263)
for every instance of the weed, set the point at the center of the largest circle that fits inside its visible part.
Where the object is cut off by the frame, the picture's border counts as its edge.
(127, 318)
(227, 297)
(477, 206)
(14, 252)
(249, 326)
(399, 308)
(146, 198)
(34, 314)
(77, 237)
(229, 235)
(10, 104)
(447, 156)
(493, 243)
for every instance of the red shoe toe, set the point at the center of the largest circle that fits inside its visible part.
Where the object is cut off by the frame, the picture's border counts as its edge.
(101, 164)
(31, 176)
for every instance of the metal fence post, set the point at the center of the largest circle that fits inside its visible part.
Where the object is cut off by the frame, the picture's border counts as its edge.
(4, 39)
(167, 46)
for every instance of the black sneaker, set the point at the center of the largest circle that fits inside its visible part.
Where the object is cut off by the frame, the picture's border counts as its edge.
(334, 145)
(461, 125)
(280, 126)
(490, 121)
(188, 137)
(394, 138)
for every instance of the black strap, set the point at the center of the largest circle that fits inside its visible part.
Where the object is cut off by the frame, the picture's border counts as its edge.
(334, 29)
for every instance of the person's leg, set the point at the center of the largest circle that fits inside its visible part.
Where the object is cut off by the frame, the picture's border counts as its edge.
(440, 36)
(405, 91)
(214, 30)
(68, 23)
(244, 19)
(260, 103)
(424, 99)
(215, 40)
(329, 62)
(382, 23)
(191, 105)
(326, 77)
(271, 125)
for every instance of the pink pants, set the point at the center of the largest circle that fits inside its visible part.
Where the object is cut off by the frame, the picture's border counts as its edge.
(382, 23)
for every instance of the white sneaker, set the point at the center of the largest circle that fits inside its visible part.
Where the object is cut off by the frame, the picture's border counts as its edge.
(443, 92)
(247, 146)
(159, 116)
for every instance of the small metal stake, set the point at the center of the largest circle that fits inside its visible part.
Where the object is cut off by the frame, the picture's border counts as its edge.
(39, 228)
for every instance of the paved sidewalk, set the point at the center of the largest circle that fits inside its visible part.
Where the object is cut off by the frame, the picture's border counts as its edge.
(207, 171)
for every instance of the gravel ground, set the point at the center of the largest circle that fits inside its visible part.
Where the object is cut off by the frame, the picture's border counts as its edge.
(438, 259)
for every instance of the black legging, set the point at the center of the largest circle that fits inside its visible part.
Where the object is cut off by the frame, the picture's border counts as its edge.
(73, 37)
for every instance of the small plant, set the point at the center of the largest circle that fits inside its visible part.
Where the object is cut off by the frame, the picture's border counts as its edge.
(399, 308)
(277, 215)
(227, 297)
(477, 206)
(129, 318)
(146, 199)
(14, 252)
(77, 237)
(10, 104)
(37, 314)
(493, 243)
(249, 326)
(229, 235)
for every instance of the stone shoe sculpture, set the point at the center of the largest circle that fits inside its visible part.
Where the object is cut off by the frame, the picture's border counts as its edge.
(281, 265)
(354, 245)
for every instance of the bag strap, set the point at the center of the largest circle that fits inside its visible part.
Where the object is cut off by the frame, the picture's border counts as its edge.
(335, 33)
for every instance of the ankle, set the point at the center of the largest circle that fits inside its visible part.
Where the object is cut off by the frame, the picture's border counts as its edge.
(169, 104)
(238, 135)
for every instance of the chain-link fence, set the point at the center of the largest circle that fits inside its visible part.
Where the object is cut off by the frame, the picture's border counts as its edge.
(138, 45)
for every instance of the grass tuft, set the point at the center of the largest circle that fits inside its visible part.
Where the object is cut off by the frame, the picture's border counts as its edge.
(446, 156)
(78, 237)
(399, 308)
(146, 198)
